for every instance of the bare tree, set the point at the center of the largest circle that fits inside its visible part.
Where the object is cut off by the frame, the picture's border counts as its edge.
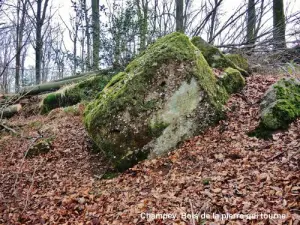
(39, 21)
(20, 25)
(179, 16)
(214, 12)
(96, 33)
(87, 34)
(251, 22)
(278, 24)
(5, 58)
(142, 11)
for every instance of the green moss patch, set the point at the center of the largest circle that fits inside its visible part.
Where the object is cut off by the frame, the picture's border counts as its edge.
(239, 60)
(73, 94)
(281, 104)
(261, 132)
(232, 80)
(42, 146)
(110, 175)
(214, 56)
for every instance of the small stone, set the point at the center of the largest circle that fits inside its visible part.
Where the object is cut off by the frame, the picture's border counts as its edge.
(41, 147)
(81, 201)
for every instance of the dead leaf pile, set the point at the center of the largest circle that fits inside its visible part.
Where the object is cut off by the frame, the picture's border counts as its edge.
(223, 171)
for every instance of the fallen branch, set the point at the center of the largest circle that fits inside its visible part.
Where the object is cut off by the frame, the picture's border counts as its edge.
(192, 211)
(30, 188)
(8, 128)
(276, 156)
(14, 189)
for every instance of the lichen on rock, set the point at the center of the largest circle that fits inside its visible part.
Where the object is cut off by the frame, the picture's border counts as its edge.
(163, 97)
(232, 80)
(281, 104)
(214, 56)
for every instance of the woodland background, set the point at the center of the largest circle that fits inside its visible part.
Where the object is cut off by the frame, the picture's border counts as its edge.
(44, 40)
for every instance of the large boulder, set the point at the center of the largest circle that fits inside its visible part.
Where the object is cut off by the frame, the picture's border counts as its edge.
(281, 104)
(215, 57)
(165, 96)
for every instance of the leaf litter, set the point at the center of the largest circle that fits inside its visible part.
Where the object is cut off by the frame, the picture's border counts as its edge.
(223, 171)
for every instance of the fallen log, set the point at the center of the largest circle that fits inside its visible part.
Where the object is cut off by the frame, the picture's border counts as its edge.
(52, 86)
(108, 72)
(57, 84)
(10, 111)
(45, 87)
(77, 76)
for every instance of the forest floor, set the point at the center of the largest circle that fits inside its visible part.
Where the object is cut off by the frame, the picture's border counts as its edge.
(222, 172)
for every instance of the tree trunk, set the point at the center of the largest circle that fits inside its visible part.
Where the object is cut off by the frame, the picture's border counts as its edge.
(179, 16)
(82, 43)
(23, 65)
(75, 62)
(75, 49)
(18, 49)
(40, 18)
(39, 44)
(251, 19)
(96, 33)
(117, 51)
(278, 24)
(213, 22)
(88, 38)
(144, 24)
(142, 14)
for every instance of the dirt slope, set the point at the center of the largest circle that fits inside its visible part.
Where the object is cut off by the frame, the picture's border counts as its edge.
(222, 171)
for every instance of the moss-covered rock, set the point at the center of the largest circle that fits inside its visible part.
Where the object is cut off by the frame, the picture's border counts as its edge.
(214, 56)
(281, 104)
(164, 96)
(239, 60)
(232, 80)
(43, 146)
(73, 94)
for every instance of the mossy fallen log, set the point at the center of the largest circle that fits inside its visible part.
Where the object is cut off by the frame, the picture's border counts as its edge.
(75, 76)
(107, 72)
(85, 90)
(57, 84)
(10, 111)
(51, 86)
